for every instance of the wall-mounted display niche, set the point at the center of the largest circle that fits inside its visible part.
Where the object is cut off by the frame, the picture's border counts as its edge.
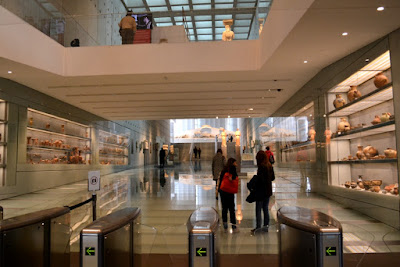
(300, 145)
(360, 118)
(54, 140)
(113, 148)
(3, 140)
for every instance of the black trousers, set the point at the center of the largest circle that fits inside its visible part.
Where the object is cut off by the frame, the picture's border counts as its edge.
(228, 203)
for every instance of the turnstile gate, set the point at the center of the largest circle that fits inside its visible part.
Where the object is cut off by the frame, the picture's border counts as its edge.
(202, 227)
(109, 240)
(309, 238)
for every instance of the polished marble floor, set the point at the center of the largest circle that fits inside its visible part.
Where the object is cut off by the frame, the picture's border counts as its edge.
(168, 197)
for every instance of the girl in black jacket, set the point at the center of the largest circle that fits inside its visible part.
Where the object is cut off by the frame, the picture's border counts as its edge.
(263, 189)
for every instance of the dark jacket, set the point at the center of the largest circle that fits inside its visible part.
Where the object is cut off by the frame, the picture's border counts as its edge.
(218, 164)
(263, 183)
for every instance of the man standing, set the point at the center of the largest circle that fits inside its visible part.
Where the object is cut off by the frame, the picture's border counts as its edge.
(199, 151)
(270, 155)
(127, 28)
(195, 152)
(162, 157)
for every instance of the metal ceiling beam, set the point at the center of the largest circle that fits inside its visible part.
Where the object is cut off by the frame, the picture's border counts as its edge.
(190, 13)
(170, 10)
(252, 20)
(234, 15)
(213, 19)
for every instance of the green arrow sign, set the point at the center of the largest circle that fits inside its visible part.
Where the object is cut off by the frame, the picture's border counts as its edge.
(89, 251)
(330, 251)
(201, 252)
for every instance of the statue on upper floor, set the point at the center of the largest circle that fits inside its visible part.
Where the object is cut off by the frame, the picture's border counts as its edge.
(237, 133)
(228, 34)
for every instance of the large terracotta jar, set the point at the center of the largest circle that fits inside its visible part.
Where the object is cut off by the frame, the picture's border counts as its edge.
(370, 151)
(376, 121)
(385, 117)
(380, 80)
(390, 153)
(360, 154)
(343, 125)
(353, 93)
(339, 101)
(312, 134)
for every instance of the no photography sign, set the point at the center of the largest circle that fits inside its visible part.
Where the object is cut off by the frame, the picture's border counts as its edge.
(94, 181)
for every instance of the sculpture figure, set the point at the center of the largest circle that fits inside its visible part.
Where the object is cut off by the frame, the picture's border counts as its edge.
(223, 135)
(228, 35)
(237, 133)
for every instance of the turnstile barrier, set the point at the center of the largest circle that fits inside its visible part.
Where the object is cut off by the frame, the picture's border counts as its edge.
(202, 227)
(36, 239)
(109, 241)
(309, 238)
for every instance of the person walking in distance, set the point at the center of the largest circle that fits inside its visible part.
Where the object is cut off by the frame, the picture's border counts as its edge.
(262, 186)
(217, 166)
(127, 28)
(162, 157)
(199, 152)
(195, 152)
(228, 186)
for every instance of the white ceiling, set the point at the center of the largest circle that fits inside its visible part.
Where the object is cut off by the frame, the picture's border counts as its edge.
(316, 38)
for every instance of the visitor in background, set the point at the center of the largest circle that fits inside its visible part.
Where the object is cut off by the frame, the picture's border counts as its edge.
(199, 152)
(127, 28)
(262, 186)
(195, 152)
(270, 155)
(217, 166)
(162, 157)
(228, 186)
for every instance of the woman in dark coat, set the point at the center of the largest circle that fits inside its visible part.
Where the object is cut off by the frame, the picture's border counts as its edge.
(263, 189)
(228, 199)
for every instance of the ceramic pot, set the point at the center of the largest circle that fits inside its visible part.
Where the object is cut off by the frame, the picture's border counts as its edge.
(375, 189)
(360, 184)
(62, 128)
(396, 190)
(370, 151)
(353, 93)
(376, 121)
(380, 80)
(367, 184)
(31, 121)
(343, 125)
(390, 153)
(360, 154)
(385, 117)
(47, 126)
(347, 184)
(389, 187)
(339, 101)
(28, 140)
(376, 182)
(353, 185)
(312, 133)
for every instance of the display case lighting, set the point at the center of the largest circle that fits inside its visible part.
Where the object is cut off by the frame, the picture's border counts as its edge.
(305, 61)
(382, 63)
(381, 8)
(345, 34)
(9, 72)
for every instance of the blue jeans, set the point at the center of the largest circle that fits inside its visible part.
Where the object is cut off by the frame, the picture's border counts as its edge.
(263, 204)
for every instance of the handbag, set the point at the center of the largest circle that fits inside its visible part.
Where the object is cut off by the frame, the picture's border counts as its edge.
(251, 186)
(228, 185)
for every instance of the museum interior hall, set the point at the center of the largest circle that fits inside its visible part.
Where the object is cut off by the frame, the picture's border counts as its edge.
(131, 129)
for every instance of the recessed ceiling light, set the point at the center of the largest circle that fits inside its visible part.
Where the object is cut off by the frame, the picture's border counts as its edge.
(345, 33)
(305, 61)
(216, 117)
(310, 115)
(367, 60)
(229, 116)
(249, 116)
(9, 72)
(251, 109)
(381, 8)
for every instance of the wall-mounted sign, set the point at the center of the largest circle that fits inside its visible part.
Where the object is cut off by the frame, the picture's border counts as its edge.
(90, 251)
(330, 251)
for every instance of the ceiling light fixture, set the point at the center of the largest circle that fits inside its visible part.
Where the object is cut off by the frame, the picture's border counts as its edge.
(249, 116)
(9, 72)
(381, 8)
(305, 61)
(251, 109)
(345, 34)
(367, 60)
(229, 116)
(216, 117)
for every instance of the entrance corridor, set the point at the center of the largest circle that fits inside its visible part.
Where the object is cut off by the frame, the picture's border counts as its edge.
(168, 197)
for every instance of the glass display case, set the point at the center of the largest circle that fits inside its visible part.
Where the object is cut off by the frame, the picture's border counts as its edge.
(54, 140)
(360, 133)
(3, 140)
(301, 148)
(113, 148)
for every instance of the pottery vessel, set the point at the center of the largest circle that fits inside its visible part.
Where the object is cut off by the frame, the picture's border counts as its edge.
(360, 184)
(339, 101)
(353, 185)
(367, 184)
(347, 184)
(376, 121)
(312, 133)
(390, 153)
(360, 154)
(396, 190)
(385, 117)
(31, 121)
(376, 182)
(343, 125)
(47, 126)
(380, 80)
(375, 189)
(370, 151)
(353, 93)
(389, 187)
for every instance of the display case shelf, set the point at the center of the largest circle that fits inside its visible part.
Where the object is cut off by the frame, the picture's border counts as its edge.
(55, 149)
(304, 144)
(113, 155)
(367, 131)
(374, 98)
(111, 144)
(58, 134)
(370, 161)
